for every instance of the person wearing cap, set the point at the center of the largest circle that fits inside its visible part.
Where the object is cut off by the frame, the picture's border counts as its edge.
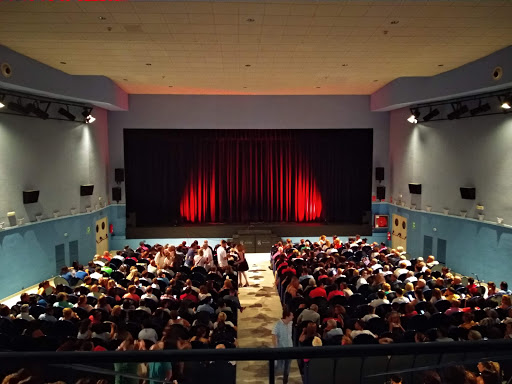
(24, 313)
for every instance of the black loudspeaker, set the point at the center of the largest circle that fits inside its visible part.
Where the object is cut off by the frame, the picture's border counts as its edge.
(30, 197)
(468, 193)
(116, 194)
(381, 193)
(86, 190)
(379, 173)
(415, 188)
(119, 175)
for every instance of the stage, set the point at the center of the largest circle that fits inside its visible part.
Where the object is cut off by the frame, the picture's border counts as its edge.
(220, 230)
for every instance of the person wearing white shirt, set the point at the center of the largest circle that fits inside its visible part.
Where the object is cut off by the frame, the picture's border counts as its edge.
(400, 297)
(207, 253)
(410, 277)
(152, 268)
(403, 260)
(200, 260)
(149, 295)
(403, 269)
(160, 259)
(222, 256)
(381, 299)
(362, 279)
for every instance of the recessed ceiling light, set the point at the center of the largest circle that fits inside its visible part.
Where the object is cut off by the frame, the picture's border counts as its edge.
(250, 20)
(102, 18)
(63, 62)
(148, 63)
(247, 65)
(394, 22)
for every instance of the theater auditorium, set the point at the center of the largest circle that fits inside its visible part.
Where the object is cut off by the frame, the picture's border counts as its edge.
(255, 192)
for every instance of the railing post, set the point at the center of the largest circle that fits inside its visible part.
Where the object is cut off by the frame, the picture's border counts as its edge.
(271, 373)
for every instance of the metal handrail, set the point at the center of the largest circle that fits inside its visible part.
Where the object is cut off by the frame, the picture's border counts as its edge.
(262, 354)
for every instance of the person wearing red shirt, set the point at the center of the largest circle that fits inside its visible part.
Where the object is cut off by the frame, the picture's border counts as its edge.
(471, 287)
(289, 269)
(188, 295)
(319, 291)
(335, 292)
(131, 293)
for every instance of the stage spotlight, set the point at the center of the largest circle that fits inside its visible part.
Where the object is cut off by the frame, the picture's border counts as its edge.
(482, 108)
(433, 113)
(507, 102)
(415, 113)
(2, 105)
(34, 109)
(17, 107)
(68, 115)
(457, 112)
(87, 115)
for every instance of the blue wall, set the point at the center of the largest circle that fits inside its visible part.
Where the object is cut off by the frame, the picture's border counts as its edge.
(472, 246)
(27, 252)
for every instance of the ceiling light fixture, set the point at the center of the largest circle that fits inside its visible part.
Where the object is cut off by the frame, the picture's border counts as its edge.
(102, 18)
(34, 109)
(247, 65)
(2, 105)
(250, 20)
(458, 111)
(17, 107)
(148, 63)
(63, 62)
(507, 102)
(431, 114)
(87, 116)
(68, 115)
(482, 108)
(394, 22)
(415, 113)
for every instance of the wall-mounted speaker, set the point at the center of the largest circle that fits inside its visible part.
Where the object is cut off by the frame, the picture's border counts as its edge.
(30, 197)
(468, 193)
(116, 194)
(381, 193)
(415, 188)
(86, 189)
(119, 175)
(379, 173)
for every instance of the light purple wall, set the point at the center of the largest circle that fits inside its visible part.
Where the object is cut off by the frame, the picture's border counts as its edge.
(249, 112)
(33, 77)
(472, 78)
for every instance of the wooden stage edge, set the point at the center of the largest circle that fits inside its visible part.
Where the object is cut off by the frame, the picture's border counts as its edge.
(228, 230)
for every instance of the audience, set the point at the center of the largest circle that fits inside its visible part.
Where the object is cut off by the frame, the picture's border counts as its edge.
(141, 300)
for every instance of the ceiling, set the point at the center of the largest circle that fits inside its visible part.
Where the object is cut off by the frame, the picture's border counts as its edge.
(268, 48)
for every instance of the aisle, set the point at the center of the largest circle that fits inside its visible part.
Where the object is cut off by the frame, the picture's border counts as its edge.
(262, 310)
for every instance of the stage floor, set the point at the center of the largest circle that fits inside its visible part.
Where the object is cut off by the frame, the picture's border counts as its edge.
(220, 230)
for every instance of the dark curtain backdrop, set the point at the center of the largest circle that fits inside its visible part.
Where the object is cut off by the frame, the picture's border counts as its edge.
(184, 176)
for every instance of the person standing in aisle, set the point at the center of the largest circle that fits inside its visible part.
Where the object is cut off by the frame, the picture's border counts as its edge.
(282, 338)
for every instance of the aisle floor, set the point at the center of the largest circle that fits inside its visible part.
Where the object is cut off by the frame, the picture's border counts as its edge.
(262, 310)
